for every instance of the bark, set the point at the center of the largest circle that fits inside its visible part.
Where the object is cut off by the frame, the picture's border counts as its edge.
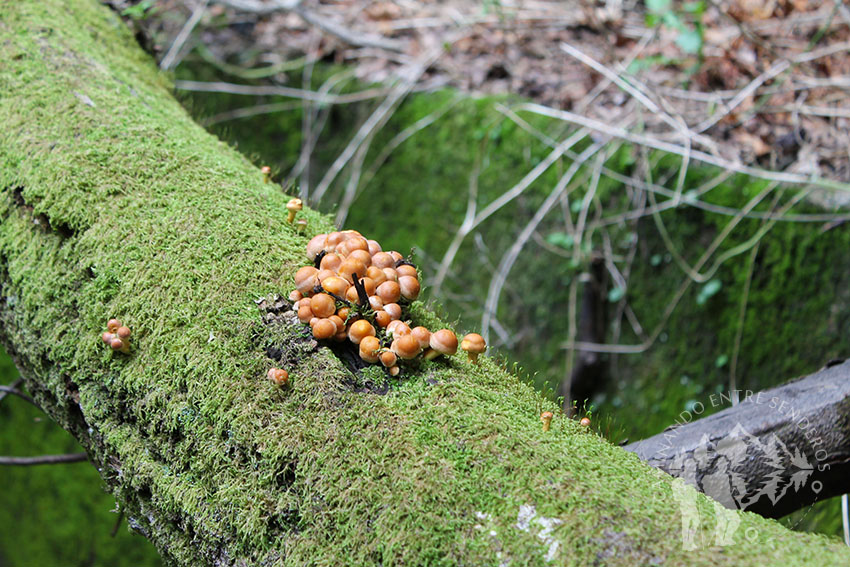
(785, 448)
(113, 203)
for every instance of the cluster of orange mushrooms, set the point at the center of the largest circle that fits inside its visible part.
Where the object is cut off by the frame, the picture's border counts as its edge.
(117, 336)
(357, 292)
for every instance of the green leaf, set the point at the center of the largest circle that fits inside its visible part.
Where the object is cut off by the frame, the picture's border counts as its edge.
(708, 290)
(615, 294)
(575, 206)
(690, 41)
(560, 239)
(655, 260)
(721, 361)
(659, 6)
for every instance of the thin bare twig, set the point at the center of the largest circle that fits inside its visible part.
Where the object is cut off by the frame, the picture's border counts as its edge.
(290, 92)
(472, 219)
(171, 56)
(44, 460)
(510, 257)
(18, 393)
(320, 21)
(651, 142)
(14, 384)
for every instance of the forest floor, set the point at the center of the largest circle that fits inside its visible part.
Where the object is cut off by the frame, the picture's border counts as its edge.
(758, 83)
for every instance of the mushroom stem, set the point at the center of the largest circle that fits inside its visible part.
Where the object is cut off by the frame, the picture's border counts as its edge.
(546, 418)
(291, 217)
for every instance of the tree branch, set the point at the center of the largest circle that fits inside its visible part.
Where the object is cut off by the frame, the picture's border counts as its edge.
(774, 452)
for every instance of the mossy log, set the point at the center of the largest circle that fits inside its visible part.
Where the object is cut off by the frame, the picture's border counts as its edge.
(786, 447)
(115, 204)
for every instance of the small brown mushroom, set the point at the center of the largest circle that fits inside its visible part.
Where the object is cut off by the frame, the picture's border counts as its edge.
(409, 287)
(406, 347)
(279, 376)
(546, 418)
(369, 347)
(473, 344)
(293, 206)
(443, 341)
(585, 422)
(267, 174)
(360, 330)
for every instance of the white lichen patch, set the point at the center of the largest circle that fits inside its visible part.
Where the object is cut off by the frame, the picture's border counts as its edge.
(527, 516)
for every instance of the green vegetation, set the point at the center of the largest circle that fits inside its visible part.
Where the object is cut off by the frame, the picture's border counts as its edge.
(114, 203)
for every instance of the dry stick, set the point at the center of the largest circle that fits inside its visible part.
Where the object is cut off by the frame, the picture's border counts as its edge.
(651, 142)
(15, 392)
(730, 226)
(621, 68)
(578, 236)
(739, 332)
(404, 135)
(171, 57)
(317, 20)
(309, 135)
(472, 219)
(356, 180)
(683, 287)
(249, 111)
(638, 95)
(408, 78)
(643, 185)
(272, 90)
(14, 384)
(513, 252)
(44, 460)
(775, 69)
(251, 73)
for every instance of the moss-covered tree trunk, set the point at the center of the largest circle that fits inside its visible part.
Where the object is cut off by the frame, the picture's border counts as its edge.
(115, 204)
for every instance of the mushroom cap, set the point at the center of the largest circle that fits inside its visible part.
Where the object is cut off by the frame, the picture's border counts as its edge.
(369, 349)
(107, 337)
(323, 305)
(278, 375)
(422, 335)
(547, 415)
(316, 245)
(388, 358)
(324, 329)
(266, 169)
(389, 292)
(335, 285)
(306, 279)
(123, 332)
(394, 309)
(360, 330)
(444, 341)
(409, 287)
(112, 325)
(116, 344)
(382, 260)
(407, 270)
(585, 421)
(473, 342)
(294, 205)
(406, 347)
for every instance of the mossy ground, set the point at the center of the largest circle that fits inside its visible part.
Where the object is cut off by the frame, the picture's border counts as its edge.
(115, 203)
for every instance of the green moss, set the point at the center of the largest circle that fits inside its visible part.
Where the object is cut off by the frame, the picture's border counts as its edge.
(143, 216)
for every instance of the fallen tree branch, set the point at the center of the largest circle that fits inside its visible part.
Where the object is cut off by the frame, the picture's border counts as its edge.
(773, 453)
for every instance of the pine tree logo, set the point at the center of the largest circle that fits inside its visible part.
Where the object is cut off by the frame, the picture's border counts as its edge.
(717, 468)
